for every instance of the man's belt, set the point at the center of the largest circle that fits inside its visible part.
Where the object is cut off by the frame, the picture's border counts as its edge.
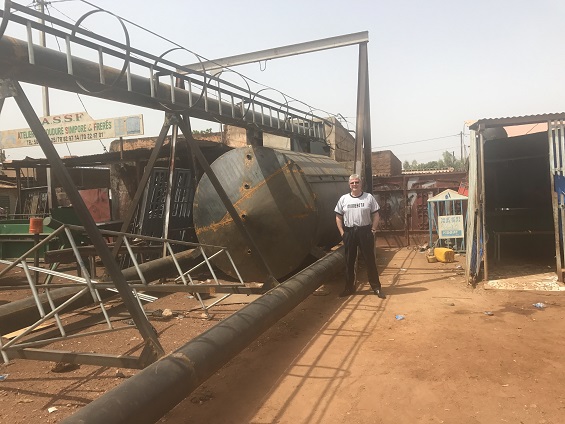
(357, 227)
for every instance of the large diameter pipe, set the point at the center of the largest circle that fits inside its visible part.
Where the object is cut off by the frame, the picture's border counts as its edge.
(21, 313)
(150, 394)
(162, 267)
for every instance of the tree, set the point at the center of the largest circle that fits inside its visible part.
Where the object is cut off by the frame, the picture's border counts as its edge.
(447, 160)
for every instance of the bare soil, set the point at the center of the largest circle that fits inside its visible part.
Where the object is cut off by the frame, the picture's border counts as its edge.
(435, 351)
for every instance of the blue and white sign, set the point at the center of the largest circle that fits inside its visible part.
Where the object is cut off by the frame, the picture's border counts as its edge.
(450, 226)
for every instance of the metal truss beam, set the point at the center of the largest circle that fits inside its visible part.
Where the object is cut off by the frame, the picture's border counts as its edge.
(283, 51)
(62, 174)
(98, 359)
(206, 97)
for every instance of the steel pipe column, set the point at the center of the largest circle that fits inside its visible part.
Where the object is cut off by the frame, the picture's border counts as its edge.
(147, 396)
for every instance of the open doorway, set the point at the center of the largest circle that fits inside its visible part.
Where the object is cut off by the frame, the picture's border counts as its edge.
(518, 208)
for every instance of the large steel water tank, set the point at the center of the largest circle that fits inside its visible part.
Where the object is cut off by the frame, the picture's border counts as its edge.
(286, 200)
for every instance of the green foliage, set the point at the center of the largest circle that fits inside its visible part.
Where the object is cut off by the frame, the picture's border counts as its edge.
(448, 160)
(203, 132)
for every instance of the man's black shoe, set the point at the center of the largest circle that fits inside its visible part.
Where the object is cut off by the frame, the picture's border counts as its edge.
(346, 292)
(380, 294)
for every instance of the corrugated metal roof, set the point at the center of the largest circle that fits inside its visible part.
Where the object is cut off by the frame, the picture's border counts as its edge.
(517, 120)
(447, 195)
(383, 174)
(519, 130)
(429, 171)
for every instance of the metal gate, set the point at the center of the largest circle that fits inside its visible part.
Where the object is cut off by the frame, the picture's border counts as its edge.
(153, 207)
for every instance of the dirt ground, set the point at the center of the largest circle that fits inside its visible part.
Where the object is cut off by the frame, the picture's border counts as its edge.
(435, 351)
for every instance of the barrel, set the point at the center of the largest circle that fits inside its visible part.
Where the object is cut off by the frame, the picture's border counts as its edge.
(285, 199)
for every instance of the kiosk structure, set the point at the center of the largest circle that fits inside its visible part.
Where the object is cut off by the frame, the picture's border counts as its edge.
(447, 218)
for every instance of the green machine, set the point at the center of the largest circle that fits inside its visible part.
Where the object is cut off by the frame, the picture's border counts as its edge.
(16, 239)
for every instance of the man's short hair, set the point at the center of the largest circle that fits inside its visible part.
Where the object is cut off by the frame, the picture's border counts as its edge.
(354, 177)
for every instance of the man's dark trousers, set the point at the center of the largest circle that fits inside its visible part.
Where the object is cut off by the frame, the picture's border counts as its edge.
(361, 237)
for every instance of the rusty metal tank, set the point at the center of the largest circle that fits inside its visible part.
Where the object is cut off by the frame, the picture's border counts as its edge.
(286, 200)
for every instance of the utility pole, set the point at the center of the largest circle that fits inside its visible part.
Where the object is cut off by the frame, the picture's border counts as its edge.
(51, 195)
(42, 43)
(461, 135)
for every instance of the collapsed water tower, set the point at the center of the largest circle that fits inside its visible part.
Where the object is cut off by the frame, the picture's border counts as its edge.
(285, 199)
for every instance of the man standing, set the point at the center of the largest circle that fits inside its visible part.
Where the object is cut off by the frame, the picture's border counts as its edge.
(357, 218)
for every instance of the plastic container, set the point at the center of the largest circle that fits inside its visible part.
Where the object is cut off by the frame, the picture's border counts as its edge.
(35, 225)
(444, 254)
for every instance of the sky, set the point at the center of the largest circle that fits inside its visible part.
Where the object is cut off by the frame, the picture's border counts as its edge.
(433, 65)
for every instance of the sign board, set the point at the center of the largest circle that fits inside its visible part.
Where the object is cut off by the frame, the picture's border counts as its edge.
(450, 226)
(73, 127)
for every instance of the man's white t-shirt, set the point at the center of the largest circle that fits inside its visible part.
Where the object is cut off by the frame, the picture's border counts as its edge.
(357, 211)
